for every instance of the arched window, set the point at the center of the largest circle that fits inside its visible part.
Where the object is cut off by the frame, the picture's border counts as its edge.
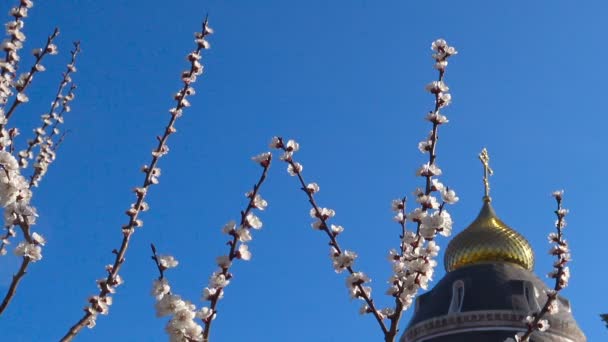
(531, 295)
(457, 296)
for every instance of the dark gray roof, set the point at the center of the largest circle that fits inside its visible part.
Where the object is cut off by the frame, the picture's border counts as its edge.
(494, 292)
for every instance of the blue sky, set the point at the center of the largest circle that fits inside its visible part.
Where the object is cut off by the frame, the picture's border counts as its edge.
(345, 79)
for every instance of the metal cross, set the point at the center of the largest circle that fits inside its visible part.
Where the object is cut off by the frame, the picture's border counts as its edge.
(487, 171)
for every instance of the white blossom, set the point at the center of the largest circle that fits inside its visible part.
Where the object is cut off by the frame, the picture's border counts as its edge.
(253, 221)
(259, 202)
(449, 196)
(275, 142)
(294, 168)
(218, 280)
(167, 261)
(312, 188)
(29, 250)
(244, 235)
(243, 252)
(39, 239)
(204, 313)
(263, 159)
(335, 229)
(160, 288)
(292, 146)
(427, 170)
(169, 305)
(229, 227)
(343, 260)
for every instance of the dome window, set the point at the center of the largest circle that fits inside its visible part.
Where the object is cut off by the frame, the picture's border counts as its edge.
(531, 295)
(457, 297)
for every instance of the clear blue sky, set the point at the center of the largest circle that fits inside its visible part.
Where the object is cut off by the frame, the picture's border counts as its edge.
(344, 78)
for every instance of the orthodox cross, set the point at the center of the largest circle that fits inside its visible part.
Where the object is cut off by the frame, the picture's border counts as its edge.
(487, 171)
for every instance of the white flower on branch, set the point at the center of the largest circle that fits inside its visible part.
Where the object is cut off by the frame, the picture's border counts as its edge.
(253, 221)
(437, 118)
(29, 250)
(558, 194)
(424, 146)
(437, 87)
(427, 170)
(343, 260)
(263, 159)
(444, 99)
(322, 213)
(259, 202)
(218, 280)
(275, 142)
(167, 261)
(169, 305)
(160, 288)
(335, 229)
(210, 293)
(428, 201)
(244, 235)
(205, 313)
(417, 215)
(449, 196)
(243, 252)
(292, 146)
(294, 168)
(229, 227)
(542, 325)
(399, 217)
(101, 304)
(357, 278)
(397, 204)
(312, 188)
(38, 239)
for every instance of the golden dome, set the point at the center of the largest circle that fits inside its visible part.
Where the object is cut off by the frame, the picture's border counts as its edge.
(488, 239)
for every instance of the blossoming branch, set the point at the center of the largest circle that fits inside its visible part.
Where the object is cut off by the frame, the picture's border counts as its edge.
(413, 264)
(99, 304)
(561, 274)
(15, 190)
(342, 259)
(182, 326)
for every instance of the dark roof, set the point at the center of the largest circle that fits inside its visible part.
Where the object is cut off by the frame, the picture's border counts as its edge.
(492, 287)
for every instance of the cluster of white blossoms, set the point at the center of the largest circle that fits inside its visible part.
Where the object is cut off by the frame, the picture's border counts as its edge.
(100, 303)
(15, 196)
(182, 327)
(11, 46)
(413, 264)
(561, 274)
(15, 193)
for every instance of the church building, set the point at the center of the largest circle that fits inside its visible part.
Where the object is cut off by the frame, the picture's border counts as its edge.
(489, 288)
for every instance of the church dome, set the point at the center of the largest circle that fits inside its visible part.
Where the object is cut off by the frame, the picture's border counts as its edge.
(488, 240)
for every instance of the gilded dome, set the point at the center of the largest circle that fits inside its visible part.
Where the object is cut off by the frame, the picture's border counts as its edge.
(488, 240)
